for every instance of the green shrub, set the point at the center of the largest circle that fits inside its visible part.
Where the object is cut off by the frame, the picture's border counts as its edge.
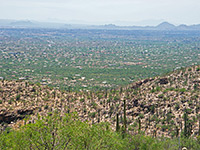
(182, 90)
(82, 100)
(18, 97)
(68, 132)
(92, 115)
(161, 96)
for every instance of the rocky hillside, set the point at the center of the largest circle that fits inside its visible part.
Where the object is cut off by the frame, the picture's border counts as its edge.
(155, 106)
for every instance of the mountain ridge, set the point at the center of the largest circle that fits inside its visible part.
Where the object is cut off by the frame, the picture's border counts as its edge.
(36, 24)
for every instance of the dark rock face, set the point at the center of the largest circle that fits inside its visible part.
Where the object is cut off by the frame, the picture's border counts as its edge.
(138, 84)
(164, 81)
(196, 81)
(147, 80)
(135, 104)
(24, 112)
(8, 117)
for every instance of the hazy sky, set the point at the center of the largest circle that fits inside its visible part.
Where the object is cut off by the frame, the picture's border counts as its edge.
(103, 11)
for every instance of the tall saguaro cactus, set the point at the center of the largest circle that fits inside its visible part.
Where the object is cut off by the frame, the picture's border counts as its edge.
(139, 125)
(117, 123)
(199, 125)
(124, 116)
(185, 124)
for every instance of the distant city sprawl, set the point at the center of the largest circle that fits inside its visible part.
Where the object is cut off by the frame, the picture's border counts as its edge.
(81, 59)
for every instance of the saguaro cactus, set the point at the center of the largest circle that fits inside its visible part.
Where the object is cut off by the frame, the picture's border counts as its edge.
(124, 116)
(139, 125)
(117, 123)
(124, 121)
(199, 125)
(177, 131)
(185, 124)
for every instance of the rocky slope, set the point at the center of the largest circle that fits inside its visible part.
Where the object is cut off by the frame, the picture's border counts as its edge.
(155, 106)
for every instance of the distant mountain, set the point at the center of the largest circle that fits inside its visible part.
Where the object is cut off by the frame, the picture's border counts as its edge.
(165, 26)
(35, 24)
(183, 27)
(195, 27)
(22, 23)
(110, 25)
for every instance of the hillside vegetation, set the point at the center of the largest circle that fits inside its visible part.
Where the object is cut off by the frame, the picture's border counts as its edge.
(166, 106)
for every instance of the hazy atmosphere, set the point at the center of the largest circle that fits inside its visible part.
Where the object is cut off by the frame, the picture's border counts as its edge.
(120, 12)
(100, 74)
